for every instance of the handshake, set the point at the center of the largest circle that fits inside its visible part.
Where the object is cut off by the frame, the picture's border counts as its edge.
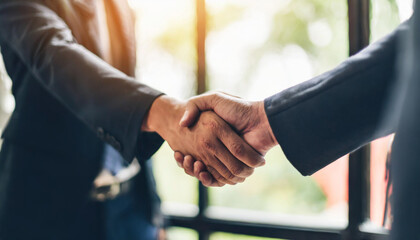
(217, 138)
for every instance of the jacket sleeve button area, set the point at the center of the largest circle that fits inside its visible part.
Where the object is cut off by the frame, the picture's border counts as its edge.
(113, 142)
(109, 139)
(117, 146)
(100, 133)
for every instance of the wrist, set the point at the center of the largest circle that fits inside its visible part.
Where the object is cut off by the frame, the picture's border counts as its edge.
(163, 114)
(265, 124)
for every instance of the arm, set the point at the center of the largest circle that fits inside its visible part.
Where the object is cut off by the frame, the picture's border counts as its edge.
(112, 103)
(333, 114)
(318, 121)
(104, 98)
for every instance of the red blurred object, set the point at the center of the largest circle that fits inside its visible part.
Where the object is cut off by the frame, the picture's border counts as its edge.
(333, 180)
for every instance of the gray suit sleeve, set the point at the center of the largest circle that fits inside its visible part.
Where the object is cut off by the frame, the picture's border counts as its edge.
(107, 100)
(322, 119)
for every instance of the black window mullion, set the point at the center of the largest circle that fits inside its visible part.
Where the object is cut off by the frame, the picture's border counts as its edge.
(203, 198)
(359, 161)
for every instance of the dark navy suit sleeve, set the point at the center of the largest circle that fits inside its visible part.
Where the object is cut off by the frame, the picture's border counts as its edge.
(107, 100)
(322, 119)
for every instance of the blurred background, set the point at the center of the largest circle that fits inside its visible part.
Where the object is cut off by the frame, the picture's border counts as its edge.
(254, 48)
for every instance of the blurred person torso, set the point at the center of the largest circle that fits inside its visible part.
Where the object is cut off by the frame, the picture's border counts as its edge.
(50, 158)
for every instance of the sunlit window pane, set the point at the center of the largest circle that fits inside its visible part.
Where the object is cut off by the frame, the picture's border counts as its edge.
(258, 48)
(167, 61)
(386, 15)
(227, 236)
(173, 185)
(166, 45)
(181, 234)
(276, 187)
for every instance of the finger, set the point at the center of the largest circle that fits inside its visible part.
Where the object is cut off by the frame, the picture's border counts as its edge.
(234, 165)
(219, 177)
(216, 149)
(240, 149)
(213, 178)
(207, 180)
(198, 168)
(179, 158)
(204, 176)
(189, 165)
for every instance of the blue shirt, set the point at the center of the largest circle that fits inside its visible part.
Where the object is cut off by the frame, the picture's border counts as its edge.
(125, 217)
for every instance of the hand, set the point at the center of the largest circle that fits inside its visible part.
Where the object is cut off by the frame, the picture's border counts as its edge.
(247, 118)
(228, 158)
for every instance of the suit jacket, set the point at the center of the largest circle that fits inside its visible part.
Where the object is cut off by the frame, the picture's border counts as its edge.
(320, 120)
(406, 151)
(68, 103)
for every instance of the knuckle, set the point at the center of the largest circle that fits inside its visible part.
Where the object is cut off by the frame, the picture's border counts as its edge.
(238, 170)
(231, 177)
(214, 173)
(219, 178)
(224, 180)
(223, 176)
(212, 125)
(206, 144)
(228, 175)
(256, 162)
(238, 149)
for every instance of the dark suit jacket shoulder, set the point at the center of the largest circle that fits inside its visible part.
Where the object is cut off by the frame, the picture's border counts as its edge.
(320, 120)
(64, 92)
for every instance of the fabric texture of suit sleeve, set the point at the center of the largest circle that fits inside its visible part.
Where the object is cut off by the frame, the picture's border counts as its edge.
(322, 119)
(107, 100)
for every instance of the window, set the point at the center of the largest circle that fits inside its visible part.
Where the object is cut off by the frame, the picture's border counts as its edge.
(253, 49)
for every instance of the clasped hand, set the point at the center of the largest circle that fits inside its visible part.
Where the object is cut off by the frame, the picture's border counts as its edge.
(248, 119)
(205, 145)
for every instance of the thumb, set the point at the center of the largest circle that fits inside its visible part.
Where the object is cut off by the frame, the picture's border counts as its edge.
(190, 115)
(194, 106)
